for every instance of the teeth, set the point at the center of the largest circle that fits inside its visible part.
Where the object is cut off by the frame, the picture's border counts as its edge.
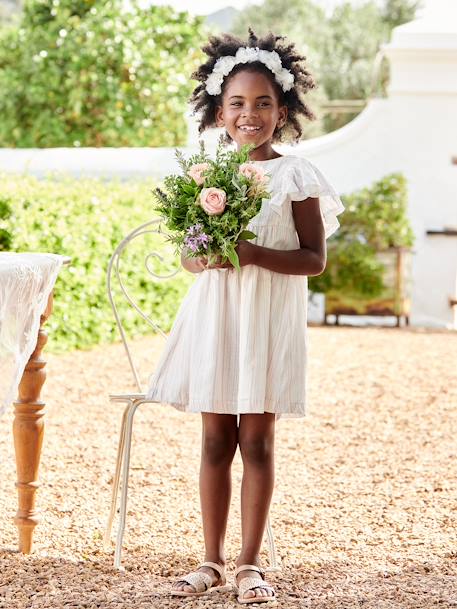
(249, 128)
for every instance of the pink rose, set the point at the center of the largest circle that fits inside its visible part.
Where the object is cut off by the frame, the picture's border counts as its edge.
(213, 201)
(196, 172)
(252, 172)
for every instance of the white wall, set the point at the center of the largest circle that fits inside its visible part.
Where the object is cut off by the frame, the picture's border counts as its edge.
(394, 135)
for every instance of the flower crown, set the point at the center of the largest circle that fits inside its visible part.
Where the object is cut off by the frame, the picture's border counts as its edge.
(224, 65)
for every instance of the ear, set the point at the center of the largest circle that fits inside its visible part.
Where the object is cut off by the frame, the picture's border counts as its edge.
(219, 117)
(282, 118)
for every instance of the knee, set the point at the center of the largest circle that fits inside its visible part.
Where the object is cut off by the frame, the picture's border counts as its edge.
(218, 449)
(257, 450)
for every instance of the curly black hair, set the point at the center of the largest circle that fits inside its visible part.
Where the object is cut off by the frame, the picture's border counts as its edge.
(227, 44)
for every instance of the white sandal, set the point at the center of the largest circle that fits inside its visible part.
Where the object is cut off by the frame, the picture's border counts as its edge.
(249, 583)
(202, 582)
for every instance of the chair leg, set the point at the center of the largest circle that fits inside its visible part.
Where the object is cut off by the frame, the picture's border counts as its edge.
(124, 485)
(117, 477)
(271, 543)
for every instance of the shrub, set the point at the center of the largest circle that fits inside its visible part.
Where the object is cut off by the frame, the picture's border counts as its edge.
(59, 216)
(91, 73)
(62, 218)
(375, 219)
(5, 213)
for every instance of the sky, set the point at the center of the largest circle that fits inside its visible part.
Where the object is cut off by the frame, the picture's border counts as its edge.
(203, 7)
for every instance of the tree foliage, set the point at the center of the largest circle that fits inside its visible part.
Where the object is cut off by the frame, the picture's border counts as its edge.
(397, 12)
(304, 22)
(341, 46)
(374, 220)
(91, 73)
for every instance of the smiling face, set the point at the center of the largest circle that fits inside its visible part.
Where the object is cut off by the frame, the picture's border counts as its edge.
(250, 111)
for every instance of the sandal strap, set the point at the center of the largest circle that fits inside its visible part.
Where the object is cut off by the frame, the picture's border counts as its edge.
(213, 565)
(249, 583)
(250, 568)
(200, 581)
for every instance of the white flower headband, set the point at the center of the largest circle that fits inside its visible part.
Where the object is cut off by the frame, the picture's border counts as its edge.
(224, 65)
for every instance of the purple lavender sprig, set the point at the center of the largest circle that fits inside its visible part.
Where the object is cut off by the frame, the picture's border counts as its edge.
(196, 238)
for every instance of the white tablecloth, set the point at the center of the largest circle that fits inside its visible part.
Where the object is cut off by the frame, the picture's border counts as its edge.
(26, 280)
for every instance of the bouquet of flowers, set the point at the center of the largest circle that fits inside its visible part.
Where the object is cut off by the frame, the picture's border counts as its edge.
(206, 209)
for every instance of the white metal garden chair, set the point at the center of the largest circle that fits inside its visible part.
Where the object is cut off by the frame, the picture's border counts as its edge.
(133, 400)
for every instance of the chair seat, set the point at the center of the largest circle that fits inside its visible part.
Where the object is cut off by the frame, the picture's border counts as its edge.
(126, 397)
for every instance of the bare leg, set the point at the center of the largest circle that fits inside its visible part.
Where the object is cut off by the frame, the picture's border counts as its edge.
(219, 443)
(256, 439)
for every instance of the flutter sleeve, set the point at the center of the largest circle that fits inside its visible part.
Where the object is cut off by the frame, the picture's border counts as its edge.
(305, 180)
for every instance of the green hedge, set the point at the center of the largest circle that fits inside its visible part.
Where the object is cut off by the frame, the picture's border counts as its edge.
(86, 220)
(375, 218)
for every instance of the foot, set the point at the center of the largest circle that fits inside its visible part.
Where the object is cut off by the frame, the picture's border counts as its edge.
(186, 587)
(254, 592)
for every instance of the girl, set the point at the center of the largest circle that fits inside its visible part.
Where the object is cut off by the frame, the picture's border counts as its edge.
(238, 344)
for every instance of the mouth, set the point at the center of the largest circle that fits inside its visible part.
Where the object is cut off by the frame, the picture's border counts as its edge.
(249, 129)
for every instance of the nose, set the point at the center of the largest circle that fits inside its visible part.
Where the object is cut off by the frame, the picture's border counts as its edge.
(250, 110)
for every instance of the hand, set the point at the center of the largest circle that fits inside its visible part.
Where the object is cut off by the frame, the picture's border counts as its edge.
(197, 264)
(218, 264)
(246, 255)
(246, 252)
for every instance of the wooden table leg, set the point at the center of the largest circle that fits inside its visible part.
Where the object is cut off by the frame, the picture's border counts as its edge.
(28, 428)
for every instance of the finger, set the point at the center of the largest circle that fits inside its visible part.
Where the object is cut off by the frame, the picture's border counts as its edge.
(219, 266)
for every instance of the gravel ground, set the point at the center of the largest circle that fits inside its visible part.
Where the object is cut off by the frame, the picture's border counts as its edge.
(364, 511)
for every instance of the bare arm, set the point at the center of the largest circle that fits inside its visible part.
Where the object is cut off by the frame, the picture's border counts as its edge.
(310, 259)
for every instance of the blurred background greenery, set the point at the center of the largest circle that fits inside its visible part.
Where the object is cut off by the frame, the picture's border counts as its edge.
(107, 73)
(101, 73)
(86, 220)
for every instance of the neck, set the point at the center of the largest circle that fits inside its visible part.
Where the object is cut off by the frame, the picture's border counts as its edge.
(263, 153)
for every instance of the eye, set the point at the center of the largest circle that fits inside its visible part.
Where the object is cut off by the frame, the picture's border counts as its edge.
(235, 104)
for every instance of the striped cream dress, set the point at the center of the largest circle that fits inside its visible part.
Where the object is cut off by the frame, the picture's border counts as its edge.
(239, 341)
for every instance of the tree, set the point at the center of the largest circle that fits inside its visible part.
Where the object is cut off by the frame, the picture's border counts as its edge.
(91, 73)
(397, 12)
(304, 23)
(348, 54)
(341, 47)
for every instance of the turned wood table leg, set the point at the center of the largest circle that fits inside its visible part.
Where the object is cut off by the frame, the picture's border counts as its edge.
(28, 428)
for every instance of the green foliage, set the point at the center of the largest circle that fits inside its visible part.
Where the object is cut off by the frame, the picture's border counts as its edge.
(378, 214)
(91, 73)
(348, 54)
(375, 219)
(59, 216)
(5, 213)
(341, 47)
(305, 23)
(397, 12)
(187, 221)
